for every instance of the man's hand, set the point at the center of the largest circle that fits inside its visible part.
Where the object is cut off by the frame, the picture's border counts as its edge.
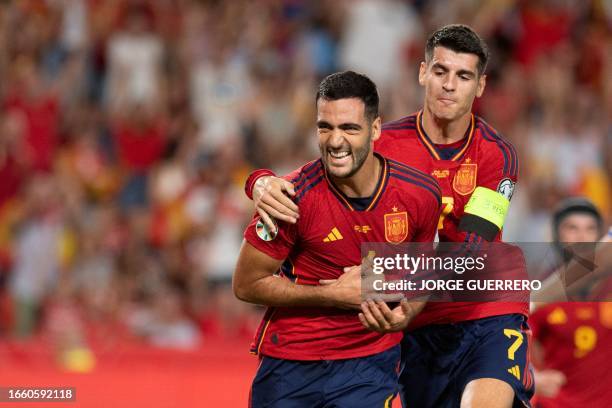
(271, 200)
(377, 316)
(549, 382)
(355, 285)
(346, 290)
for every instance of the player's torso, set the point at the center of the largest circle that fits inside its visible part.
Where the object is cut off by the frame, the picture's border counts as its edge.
(577, 339)
(458, 172)
(330, 232)
(336, 227)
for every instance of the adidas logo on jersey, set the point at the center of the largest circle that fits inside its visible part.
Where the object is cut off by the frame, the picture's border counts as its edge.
(515, 371)
(334, 235)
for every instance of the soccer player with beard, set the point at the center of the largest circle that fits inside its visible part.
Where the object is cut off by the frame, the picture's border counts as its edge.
(314, 350)
(454, 353)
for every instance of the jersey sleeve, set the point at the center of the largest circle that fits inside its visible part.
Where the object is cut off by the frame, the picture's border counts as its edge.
(253, 177)
(498, 173)
(276, 245)
(428, 222)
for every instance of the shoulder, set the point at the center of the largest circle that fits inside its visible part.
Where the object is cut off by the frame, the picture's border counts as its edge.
(497, 148)
(305, 179)
(403, 129)
(417, 179)
(398, 137)
(407, 122)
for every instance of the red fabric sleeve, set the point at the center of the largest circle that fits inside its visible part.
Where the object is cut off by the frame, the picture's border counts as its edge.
(250, 182)
(277, 246)
(429, 221)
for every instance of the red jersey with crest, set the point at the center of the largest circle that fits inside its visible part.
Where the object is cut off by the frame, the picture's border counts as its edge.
(576, 338)
(327, 238)
(481, 158)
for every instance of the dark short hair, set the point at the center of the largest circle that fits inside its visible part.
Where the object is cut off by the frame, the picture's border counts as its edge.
(350, 84)
(459, 38)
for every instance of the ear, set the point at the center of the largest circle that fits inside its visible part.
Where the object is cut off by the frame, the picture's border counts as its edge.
(422, 73)
(482, 82)
(376, 128)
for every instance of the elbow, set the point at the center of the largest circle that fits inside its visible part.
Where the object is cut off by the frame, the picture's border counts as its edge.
(241, 290)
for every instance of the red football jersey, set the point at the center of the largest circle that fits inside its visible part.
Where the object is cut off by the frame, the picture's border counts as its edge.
(327, 238)
(576, 338)
(481, 158)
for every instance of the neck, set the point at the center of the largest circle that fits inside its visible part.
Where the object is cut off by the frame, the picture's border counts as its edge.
(442, 131)
(361, 184)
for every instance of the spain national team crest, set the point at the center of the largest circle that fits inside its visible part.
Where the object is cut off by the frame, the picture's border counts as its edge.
(396, 226)
(464, 182)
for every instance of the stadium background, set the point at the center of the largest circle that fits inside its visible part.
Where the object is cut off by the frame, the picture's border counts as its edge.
(127, 129)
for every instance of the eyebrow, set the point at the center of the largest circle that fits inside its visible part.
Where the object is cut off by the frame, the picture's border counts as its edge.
(467, 72)
(321, 124)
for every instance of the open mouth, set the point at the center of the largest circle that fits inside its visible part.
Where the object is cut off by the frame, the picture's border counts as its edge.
(339, 158)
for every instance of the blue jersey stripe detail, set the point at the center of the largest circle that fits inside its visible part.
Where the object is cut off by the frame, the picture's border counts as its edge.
(513, 156)
(304, 171)
(405, 127)
(306, 178)
(434, 187)
(415, 173)
(414, 170)
(488, 136)
(512, 167)
(403, 121)
(418, 183)
(314, 183)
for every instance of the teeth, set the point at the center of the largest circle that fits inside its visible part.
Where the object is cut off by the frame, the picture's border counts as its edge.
(339, 155)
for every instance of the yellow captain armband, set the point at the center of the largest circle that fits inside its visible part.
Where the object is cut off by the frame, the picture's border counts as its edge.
(489, 205)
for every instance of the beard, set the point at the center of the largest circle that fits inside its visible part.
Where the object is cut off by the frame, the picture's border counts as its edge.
(357, 157)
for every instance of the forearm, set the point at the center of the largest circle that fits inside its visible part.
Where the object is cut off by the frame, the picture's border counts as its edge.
(277, 291)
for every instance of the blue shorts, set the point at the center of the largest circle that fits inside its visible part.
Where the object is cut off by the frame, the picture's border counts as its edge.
(366, 382)
(438, 361)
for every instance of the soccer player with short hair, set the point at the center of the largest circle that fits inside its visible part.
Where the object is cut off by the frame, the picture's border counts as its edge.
(454, 354)
(572, 339)
(314, 350)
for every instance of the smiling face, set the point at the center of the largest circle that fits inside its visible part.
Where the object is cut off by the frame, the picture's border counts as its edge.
(346, 135)
(451, 82)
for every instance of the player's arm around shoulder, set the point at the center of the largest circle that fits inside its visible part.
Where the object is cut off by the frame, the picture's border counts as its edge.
(272, 196)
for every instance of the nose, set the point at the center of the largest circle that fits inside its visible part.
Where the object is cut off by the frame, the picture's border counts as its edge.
(450, 83)
(336, 140)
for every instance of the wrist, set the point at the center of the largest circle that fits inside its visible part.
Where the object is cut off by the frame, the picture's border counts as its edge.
(252, 179)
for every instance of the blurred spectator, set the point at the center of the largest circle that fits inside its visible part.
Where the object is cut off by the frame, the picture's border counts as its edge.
(376, 34)
(37, 255)
(135, 61)
(32, 98)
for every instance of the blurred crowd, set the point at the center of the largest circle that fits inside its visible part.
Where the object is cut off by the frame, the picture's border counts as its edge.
(127, 129)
